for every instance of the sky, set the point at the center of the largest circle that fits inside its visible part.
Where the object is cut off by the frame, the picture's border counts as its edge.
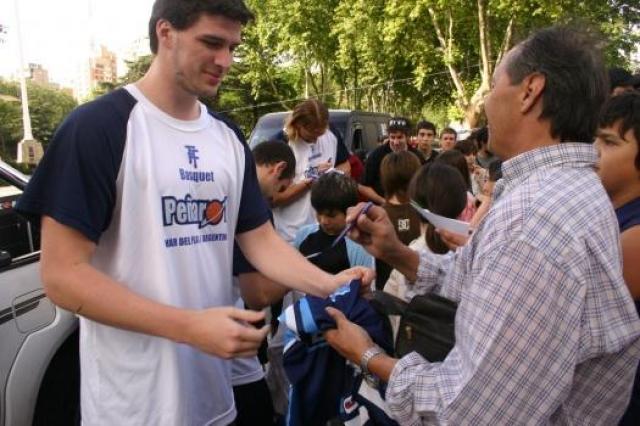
(57, 33)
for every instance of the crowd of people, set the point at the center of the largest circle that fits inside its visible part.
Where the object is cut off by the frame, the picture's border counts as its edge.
(218, 285)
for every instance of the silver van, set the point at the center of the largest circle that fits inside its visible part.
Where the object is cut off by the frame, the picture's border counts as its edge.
(39, 364)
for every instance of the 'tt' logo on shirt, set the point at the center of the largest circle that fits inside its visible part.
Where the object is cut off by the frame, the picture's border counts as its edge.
(192, 155)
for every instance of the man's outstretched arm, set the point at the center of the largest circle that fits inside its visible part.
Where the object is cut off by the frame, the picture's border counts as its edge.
(282, 263)
(72, 283)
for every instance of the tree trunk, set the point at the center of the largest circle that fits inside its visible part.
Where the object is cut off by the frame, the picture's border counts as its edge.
(312, 80)
(506, 41)
(446, 46)
(322, 93)
(474, 110)
(483, 24)
(473, 113)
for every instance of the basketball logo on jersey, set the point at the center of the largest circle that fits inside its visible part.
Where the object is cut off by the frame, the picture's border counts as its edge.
(188, 211)
(214, 213)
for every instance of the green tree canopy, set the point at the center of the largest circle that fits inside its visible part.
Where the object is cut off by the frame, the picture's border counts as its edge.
(414, 56)
(417, 58)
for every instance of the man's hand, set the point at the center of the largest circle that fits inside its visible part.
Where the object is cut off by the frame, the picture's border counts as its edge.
(373, 231)
(225, 332)
(453, 240)
(349, 339)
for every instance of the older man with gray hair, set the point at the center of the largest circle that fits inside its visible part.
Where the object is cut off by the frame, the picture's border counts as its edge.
(546, 331)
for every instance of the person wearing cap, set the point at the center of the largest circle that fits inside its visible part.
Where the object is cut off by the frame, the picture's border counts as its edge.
(621, 80)
(399, 131)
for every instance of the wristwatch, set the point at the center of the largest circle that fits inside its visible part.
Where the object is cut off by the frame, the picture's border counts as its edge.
(366, 357)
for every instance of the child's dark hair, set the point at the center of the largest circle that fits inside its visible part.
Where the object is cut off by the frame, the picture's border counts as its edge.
(334, 191)
(273, 152)
(182, 14)
(480, 136)
(623, 108)
(439, 188)
(466, 147)
(456, 159)
(424, 124)
(495, 170)
(396, 171)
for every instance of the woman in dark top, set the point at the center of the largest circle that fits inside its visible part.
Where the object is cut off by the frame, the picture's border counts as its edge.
(618, 145)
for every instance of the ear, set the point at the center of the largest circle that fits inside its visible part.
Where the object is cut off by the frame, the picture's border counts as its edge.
(279, 167)
(165, 33)
(532, 87)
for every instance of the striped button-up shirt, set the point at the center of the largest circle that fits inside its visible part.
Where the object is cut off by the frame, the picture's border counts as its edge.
(546, 331)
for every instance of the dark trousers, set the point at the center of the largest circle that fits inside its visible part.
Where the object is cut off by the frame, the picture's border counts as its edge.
(632, 415)
(253, 403)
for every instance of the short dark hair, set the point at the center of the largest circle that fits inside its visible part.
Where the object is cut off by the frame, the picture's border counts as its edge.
(480, 136)
(619, 77)
(449, 130)
(624, 108)
(455, 159)
(181, 14)
(576, 83)
(424, 124)
(495, 170)
(399, 124)
(439, 188)
(466, 147)
(273, 152)
(396, 171)
(334, 191)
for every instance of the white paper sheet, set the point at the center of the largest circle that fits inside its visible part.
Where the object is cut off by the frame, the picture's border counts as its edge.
(441, 222)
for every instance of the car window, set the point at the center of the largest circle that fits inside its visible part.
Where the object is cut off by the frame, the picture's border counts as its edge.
(339, 124)
(265, 129)
(356, 144)
(18, 236)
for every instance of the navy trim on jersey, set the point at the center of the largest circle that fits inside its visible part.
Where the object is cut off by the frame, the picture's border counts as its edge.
(240, 263)
(253, 210)
(75, 183)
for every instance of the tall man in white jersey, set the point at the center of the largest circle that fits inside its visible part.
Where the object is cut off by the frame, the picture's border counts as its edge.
(141, 195)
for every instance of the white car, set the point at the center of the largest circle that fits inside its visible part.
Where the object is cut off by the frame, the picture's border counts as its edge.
(39, 365)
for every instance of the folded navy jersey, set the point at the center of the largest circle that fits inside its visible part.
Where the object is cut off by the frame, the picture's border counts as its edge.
(321, 379)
